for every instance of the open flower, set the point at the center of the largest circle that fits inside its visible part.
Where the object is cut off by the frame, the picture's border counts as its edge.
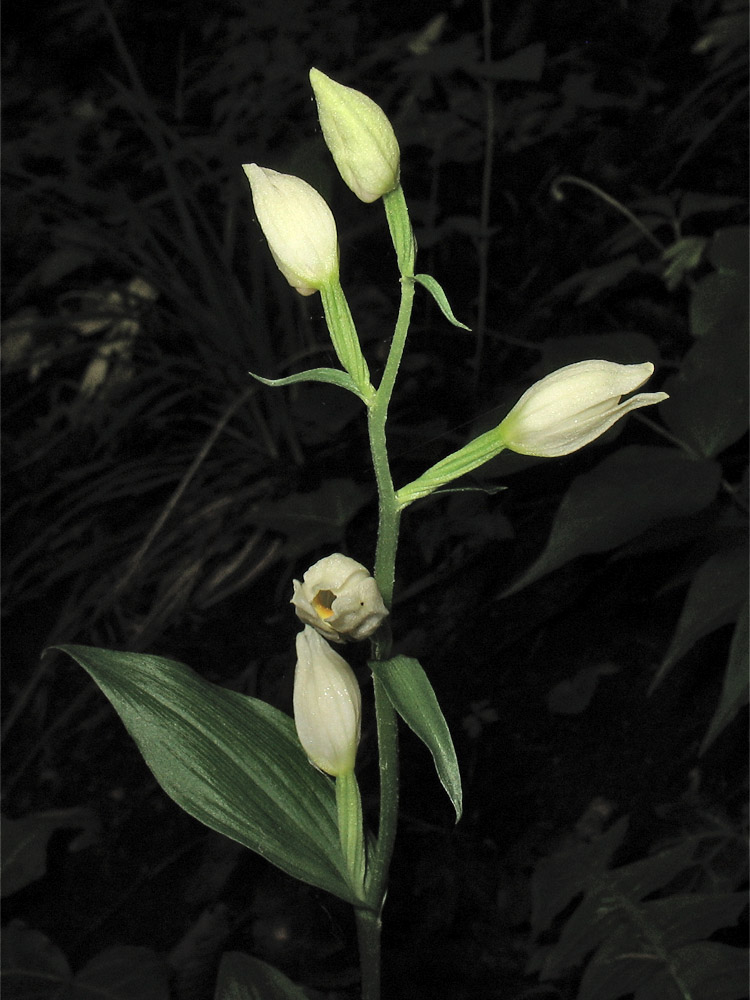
(573, 406)
(359, 136)
(339, 598)
(327, 705)
(299, 227)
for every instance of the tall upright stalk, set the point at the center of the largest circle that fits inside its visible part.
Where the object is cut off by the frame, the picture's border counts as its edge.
(389, 516)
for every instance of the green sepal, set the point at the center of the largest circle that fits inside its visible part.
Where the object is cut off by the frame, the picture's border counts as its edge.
(411, 694)
(351, 829)
(344, 337)
(231, 761)
(332, 376)
(402, 235)
(435, 290)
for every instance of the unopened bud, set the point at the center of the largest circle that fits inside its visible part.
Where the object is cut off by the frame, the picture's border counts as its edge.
(359, 136)
(327, 705)
(299, 227)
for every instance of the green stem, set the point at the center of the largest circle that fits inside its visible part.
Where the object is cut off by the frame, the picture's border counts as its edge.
(555, 190)
(389, 516)
(368, 938)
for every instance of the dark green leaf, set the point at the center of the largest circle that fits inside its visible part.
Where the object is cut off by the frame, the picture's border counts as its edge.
(231, 761)
(730, 250)
(25, 843)
(734, 691)
(681, 258)
(649, 934)
(708, 404)
(123, 972)
(629, 492)
(244, 978)
(598, 279)
(33, 968)
(411, 694)
(717, 591)
(609, 895)
(558, 878)
(708, 970)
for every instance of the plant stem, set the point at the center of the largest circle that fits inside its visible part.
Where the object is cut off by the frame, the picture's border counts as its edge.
(368, 938)
(389, 516)
(556, 192)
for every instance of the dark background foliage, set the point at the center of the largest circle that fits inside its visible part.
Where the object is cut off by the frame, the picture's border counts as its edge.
(578, 625)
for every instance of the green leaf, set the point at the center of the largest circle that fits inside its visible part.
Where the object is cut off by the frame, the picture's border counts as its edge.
(558, 878)
(33, 968)
(642, 946)
(681, 258)
(25, 842)
(231, 761)
(707, 407)
(244, 978)
(331, 376)
(123, 972)
(715, 596)
(411, 694)
(629, 492)
(708, 970)
(609, 894)
(708, 403)
(729, 250)
(734, 691)
(432, 286)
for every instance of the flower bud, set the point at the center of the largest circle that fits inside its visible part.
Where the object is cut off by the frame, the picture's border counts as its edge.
(327, 705)
(359, 136)
(573, 406)
(299, 227)
(339, 598)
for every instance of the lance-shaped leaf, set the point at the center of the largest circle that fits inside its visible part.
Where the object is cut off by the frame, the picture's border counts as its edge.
(332, 376)
(411, 694)
(229, 760)
(734, 689)
(435, 290)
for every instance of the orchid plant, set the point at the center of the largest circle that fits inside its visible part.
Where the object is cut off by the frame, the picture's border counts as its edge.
(288, 789)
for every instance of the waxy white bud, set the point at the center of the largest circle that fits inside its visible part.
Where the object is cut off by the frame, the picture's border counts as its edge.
(327, 705)
(299, 227)
(573, 406)
(359, 136)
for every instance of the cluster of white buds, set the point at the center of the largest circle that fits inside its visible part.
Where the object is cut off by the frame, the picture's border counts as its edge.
(295, 219)
(339, 600)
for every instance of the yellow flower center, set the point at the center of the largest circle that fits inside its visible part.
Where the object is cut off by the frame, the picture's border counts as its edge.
(322, 603)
